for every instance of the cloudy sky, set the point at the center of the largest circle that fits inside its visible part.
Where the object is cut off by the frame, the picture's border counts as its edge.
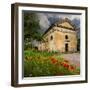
(46, 19)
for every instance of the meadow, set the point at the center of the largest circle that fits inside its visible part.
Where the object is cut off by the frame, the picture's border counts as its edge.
(43, 63)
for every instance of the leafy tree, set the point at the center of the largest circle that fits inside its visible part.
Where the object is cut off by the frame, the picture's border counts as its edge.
(31, 28)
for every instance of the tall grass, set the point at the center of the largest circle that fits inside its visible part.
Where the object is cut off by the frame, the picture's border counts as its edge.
(45, 63)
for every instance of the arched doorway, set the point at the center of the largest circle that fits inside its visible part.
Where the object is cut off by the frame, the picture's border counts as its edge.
(66, 47)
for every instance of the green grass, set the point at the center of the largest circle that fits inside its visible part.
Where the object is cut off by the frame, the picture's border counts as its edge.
(38, 63)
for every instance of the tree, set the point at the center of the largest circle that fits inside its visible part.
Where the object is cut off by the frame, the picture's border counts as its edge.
(31, 28)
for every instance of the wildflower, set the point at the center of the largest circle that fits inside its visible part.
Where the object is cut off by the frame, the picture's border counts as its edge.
(71, 68)
(66, 65)
(54, 61)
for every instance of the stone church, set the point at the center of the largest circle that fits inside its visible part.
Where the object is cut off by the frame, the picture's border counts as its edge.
(60, 37)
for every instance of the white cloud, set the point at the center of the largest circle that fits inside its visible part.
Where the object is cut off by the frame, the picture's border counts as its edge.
(43, 21)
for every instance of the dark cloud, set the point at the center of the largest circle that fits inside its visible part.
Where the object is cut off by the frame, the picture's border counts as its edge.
(47, 19)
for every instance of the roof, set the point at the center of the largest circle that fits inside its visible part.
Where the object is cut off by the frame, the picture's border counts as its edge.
(49, 29)
(65, 23)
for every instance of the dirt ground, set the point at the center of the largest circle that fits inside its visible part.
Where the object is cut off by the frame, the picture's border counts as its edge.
(73, 58)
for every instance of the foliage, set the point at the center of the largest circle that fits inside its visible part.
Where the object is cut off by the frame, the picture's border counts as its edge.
(31, 28)
(47, 64)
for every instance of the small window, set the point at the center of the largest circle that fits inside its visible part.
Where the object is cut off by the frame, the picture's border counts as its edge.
(66, 36)
(51, 38)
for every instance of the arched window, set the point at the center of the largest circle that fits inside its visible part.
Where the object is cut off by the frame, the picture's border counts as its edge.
(66, 36)
(51, 38)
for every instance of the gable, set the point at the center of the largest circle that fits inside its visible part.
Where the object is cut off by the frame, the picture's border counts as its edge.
(66, 24)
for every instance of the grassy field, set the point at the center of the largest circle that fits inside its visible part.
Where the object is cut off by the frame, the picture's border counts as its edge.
(45, 63)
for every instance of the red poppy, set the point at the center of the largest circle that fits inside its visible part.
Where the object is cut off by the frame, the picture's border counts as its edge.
(66, 65)
(54, 61)
(71, 68)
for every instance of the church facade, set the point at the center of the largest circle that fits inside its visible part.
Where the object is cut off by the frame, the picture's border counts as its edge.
(60, 37)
